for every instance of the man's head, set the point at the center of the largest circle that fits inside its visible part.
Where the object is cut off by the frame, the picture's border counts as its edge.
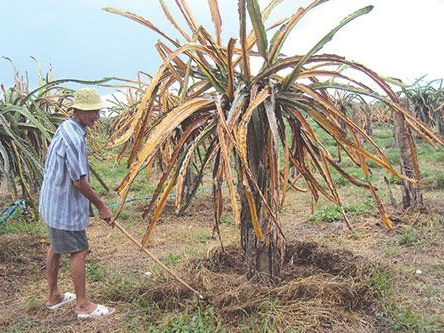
(87, 104)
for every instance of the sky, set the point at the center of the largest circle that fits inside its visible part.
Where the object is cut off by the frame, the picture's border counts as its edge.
(398, 38)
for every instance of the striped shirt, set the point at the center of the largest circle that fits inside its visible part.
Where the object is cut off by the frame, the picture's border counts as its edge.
(62, 205)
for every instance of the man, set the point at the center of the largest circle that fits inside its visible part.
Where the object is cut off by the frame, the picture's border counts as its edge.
(65, 199)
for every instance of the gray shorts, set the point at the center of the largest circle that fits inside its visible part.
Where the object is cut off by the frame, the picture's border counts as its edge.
(64, 241)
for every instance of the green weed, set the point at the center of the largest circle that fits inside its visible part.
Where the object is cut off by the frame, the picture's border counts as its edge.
(124, 288)
(425, 149)
(203, 235)
(408, 320)
(200, 320)
(386, 142)
(358, 208)
(439, 157)
(268, 323)
(372, 164)
(172, 259)
(393, 156)
(94, 272)
(65, 265)
(228, 220)
(381, 281)
(142, 187)
(338, 180)
(126, 215)
(392, 179)
(353, 171)
(438, 267)
(333, 213)
(440, 220)
(265, 321)
(327, 214)
(426, 173)
(32, 303)
(408, 238)
(440, 180)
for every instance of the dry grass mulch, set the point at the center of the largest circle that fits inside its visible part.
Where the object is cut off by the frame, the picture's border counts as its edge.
(320, 290)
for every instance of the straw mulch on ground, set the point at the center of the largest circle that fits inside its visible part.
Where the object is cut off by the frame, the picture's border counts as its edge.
(320, 290)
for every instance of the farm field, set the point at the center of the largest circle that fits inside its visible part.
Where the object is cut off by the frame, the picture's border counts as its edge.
(369, 279)
(295, 187)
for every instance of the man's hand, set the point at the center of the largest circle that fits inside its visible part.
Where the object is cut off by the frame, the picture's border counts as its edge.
(85, 188)
(105, 214)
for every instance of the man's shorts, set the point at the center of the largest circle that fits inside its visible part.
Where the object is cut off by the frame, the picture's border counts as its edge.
(65, 241)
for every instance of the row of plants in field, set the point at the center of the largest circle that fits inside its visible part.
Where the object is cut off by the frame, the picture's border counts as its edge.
(28, 119)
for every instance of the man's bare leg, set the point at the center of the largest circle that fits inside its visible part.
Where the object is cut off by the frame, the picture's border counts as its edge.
(52, 271)
(77, 260)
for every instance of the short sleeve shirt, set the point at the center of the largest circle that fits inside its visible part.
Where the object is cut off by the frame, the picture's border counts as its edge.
(62, 205)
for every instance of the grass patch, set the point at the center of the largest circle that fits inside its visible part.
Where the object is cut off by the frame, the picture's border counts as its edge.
(395, 317)
(393, 156)
(333, 213)
(393, 180)
(227, 219)
(203, 235)
(142, 187)
(129, 215)
(408, 320)
(355, 172)
(383, 133)
(327, 214)
(33, 303)
(409, 237)
(381, 280)
(440, 180)
(21, 222)
(172, 259)
(426, 151)
(123, 287)
(94, 272)
(199, 320)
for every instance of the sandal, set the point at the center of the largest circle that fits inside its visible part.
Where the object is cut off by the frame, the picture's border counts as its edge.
(66, 298)
(100, 311)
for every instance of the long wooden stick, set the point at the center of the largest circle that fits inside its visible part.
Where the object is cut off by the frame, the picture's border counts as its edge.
(161, 264)
(96, 174)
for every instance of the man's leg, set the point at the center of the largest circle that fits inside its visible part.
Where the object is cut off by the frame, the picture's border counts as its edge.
(52, 270)
(78, 260)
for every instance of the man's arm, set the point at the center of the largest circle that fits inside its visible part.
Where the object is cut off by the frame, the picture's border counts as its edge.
(85, 188)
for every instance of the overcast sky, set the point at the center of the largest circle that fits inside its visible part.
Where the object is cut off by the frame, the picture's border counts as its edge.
(399, 38)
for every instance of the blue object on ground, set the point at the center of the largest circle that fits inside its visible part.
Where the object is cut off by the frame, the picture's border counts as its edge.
(9, 210)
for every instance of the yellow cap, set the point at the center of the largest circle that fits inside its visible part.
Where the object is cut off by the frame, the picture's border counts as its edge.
(88, 99)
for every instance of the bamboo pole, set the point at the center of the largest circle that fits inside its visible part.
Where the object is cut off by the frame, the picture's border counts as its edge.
(161, 264)
(95, 174)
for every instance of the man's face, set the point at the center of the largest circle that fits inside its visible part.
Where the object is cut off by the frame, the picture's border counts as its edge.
(88, 118)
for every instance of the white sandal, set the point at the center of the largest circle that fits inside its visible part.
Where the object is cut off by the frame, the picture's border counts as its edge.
(100, 311)
(66, 298)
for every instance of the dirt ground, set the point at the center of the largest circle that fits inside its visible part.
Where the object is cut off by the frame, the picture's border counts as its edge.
(335, 280)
